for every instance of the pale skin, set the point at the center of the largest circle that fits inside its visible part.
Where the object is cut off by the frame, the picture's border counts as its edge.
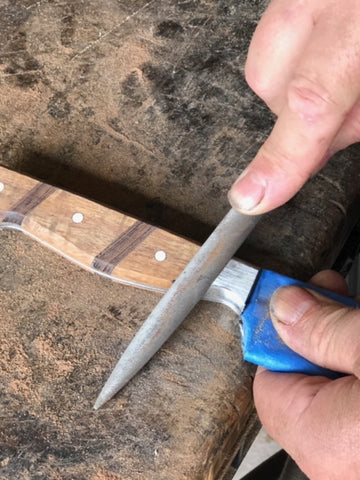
(316, 420)
(304, 62)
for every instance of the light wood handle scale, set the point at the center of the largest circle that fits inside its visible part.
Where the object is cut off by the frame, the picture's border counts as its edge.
(95, 237)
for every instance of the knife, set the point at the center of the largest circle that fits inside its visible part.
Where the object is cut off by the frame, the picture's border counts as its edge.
(132, 252)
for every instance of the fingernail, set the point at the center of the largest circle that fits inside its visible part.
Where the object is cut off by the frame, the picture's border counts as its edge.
(247, 192)
(289, 304)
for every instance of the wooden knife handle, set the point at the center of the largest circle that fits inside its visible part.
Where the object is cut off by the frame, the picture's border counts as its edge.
(95, 237)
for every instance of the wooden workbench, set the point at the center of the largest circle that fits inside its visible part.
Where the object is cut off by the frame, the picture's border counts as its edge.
(142, 106)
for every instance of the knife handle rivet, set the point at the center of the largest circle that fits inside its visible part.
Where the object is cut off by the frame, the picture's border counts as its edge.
(160, 255)
(2, 186)
(77, 217)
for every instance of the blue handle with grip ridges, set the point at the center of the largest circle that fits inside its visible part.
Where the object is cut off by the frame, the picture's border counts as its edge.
(261, 343)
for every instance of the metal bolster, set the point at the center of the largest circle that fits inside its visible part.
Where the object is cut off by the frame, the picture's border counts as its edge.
(233, 285)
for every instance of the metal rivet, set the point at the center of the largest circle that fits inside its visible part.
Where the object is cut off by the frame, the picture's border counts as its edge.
(77, 217)
(160, 255)
(2, 186)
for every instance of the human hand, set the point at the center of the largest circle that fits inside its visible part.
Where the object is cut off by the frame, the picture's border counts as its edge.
(304, 62)
(316, 420)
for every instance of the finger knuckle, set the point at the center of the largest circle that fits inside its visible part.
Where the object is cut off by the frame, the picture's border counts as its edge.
(283, 164)
(258, 81)
(310, 99)
(332, 337)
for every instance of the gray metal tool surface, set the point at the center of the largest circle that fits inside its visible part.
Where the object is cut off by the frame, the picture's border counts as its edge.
(179, 300)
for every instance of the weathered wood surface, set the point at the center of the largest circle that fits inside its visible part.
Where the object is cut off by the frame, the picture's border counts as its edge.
(143, 106)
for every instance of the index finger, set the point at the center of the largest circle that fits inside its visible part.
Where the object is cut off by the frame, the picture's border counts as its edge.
(322, 91)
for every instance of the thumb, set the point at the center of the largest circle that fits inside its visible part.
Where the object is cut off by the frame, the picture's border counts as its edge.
(324, 332)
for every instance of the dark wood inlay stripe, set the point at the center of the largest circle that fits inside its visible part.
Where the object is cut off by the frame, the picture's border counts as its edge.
(112, 255)
(29, 202)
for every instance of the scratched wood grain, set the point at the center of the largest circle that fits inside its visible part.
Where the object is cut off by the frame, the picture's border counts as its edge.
(141, 106)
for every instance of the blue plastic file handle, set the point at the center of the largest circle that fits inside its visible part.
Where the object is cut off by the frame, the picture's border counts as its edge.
(261, 343)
